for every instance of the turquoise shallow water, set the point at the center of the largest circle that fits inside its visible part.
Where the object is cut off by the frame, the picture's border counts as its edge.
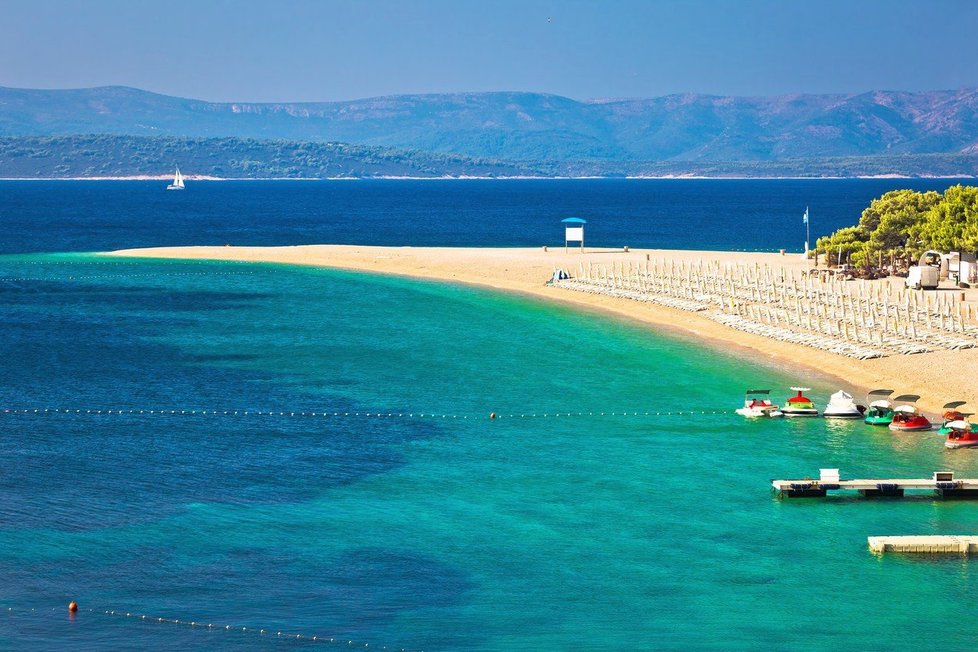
(436, 533)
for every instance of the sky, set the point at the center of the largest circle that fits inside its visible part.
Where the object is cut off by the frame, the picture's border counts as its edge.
(326, 50)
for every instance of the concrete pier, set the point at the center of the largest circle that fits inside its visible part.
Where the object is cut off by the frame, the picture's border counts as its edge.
(942, 483)
(935, 545)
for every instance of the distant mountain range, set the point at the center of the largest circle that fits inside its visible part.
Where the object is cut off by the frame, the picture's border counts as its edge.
(925, 132)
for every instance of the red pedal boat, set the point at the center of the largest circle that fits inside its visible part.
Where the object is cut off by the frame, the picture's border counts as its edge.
(961, 434)
(906, 416)
(800, 405)
(756, 405)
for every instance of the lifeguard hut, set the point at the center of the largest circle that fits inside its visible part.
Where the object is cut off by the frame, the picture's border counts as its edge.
(573, 231)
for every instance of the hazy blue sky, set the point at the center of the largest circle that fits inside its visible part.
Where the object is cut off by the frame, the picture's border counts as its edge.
(324, 50)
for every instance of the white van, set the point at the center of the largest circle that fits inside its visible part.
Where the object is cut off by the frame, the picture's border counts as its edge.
(923, 277)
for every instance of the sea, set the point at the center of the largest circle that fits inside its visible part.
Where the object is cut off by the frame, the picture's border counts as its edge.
(214, 455)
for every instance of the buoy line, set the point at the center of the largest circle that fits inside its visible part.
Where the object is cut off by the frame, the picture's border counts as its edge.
(355, 414)
(137, 261)
(11, 279)
(257, 631)
(210, 626)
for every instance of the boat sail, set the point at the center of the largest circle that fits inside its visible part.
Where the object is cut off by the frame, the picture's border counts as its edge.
(177, 181)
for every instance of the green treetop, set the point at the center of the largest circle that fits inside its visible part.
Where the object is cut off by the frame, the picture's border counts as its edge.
(906, 223)
(952, 223)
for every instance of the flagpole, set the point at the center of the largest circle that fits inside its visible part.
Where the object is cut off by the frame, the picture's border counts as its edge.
(807, 232)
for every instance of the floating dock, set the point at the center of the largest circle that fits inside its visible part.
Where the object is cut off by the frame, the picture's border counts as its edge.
(935, 545)
(942, 483)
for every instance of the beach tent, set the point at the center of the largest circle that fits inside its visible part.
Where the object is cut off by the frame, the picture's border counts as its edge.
(573, 231)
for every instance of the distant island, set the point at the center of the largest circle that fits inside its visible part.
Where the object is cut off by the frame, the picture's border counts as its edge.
(102, 156)
(119, 131)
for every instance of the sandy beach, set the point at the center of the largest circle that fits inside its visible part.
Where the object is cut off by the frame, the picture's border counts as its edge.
(937, 376)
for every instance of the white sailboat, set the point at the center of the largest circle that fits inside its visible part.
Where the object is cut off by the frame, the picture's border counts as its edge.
(177, 181)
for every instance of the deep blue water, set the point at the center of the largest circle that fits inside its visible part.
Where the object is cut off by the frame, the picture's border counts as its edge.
(57, 216)
(440, 532)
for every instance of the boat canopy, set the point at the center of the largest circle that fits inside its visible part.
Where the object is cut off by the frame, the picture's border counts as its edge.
(881, 392)
(573, 220)
(912, 398)
(758, 391)
(880, 404)
(906, 409)
(801, 389)
(954, 404)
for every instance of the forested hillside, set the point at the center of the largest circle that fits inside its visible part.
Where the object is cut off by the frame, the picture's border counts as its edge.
(535, 127)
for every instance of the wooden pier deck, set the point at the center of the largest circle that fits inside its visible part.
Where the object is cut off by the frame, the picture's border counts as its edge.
(927, 544)
(942, 483)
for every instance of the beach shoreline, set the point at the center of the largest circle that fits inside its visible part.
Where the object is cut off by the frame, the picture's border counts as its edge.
(937, 376)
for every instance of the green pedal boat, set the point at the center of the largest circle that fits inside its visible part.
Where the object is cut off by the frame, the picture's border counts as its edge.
(880, 412)
(952, 414)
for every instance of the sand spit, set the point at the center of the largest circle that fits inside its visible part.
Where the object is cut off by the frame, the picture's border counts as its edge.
(939, 375)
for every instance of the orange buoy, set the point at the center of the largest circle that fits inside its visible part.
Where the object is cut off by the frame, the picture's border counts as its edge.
(72, 607)
(492, 415)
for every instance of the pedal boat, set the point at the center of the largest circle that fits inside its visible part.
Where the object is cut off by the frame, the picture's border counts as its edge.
(906, 416)
(961, 434)
(841, 406)
(756, 404)
(880, 411)
(800, 405)
(951, 413)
